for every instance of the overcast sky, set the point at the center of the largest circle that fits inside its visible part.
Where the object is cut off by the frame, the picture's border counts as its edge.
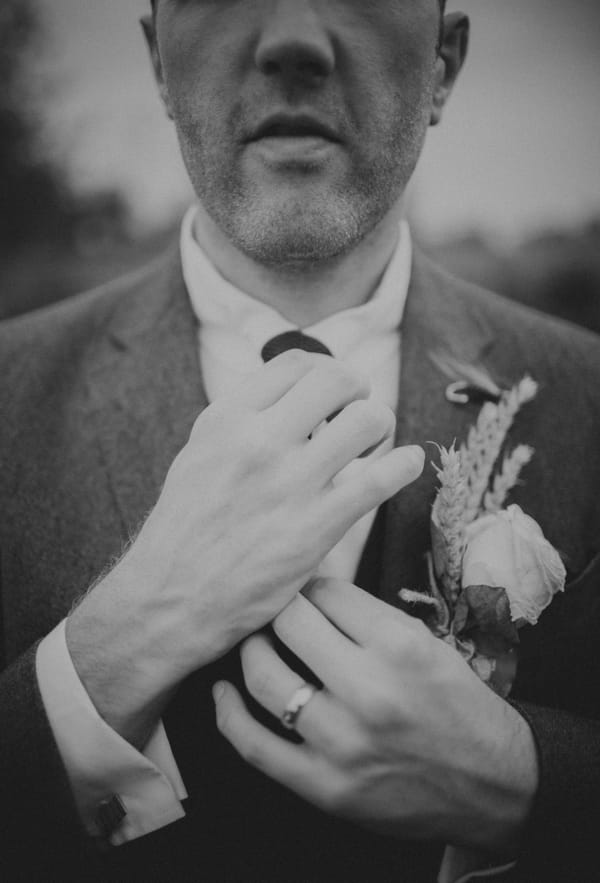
(519, 149)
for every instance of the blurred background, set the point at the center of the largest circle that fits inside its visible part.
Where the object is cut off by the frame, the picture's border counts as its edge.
(507, 193)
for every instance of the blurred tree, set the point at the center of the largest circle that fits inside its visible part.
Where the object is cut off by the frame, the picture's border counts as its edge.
(33, 200)
(53, 240)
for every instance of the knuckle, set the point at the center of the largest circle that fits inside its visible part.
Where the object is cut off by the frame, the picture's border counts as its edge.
(346, 382)
(419, 631)
(369, 414)
(376, 484)
(258, 680)
(388, 418)
(378, 707)
(259, 446)
(336, 744)
(283, 625)
(350, 749)
(203, 418)
(294, 357)
(414, 644)
(405, 646)
(359, 412)
(212, 418)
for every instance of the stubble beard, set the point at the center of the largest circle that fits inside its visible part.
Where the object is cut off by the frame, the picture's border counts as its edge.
(298, 227)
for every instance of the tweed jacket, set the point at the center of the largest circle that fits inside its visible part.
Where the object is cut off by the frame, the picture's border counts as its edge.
(98, 395)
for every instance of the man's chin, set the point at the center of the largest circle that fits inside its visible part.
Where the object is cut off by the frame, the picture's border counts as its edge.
(293, 235)
(306, 247)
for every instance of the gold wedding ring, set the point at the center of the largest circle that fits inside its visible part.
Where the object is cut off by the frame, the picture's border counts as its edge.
(299, 699)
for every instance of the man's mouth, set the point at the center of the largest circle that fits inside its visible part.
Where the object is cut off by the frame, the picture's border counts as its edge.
(294, 142)
(290, 126)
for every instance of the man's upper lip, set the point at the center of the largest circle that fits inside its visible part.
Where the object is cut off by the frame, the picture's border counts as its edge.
(293, 125)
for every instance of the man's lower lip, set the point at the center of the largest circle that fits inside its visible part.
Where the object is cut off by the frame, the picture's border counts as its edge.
(293, 148)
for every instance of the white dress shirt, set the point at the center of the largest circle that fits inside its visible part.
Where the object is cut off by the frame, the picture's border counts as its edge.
(233, 328)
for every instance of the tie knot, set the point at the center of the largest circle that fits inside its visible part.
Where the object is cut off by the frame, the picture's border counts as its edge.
(292, 340)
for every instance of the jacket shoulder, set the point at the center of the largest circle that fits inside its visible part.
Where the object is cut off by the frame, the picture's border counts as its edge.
(47, 357)
(545, 339)
(38, 346)
(86, 314)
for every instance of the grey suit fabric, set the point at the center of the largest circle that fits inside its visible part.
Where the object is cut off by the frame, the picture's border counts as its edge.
(97, 396)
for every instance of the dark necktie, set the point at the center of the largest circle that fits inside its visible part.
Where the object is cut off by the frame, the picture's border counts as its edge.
(292, 340)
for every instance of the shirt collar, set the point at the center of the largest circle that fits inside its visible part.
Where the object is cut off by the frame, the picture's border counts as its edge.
(217, 302)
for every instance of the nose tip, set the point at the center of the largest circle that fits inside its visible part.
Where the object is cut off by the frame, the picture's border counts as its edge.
(294, 43)
(293, 62)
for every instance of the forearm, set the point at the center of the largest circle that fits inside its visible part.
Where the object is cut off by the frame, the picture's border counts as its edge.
(120, 649)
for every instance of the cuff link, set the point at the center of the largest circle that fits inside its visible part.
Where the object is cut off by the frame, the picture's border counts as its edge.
(109, 815)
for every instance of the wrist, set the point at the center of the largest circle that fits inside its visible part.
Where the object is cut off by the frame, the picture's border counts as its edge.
(180, 635)
(506, 801)
(117, 661)
(522, 776)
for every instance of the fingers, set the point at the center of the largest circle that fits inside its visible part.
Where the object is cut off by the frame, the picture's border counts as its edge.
(323, 391)
(380, 480)
(272, 683)
(264, 387)
(363, 618)
(362, 425)
(328, 653)
(289, 764)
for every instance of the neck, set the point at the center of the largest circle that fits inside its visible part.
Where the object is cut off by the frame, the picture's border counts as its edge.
(307, 294)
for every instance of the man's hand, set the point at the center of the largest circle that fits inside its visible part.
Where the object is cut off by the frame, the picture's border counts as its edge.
(247, 512)
(403, 738)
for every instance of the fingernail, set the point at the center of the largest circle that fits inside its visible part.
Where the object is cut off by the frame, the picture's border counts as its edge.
(218, 691)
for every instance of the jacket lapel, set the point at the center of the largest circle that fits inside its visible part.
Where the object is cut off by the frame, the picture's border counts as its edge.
(146, 388)
(438, 318)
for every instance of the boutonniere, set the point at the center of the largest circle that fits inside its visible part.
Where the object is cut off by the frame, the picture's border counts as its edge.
(491, 570)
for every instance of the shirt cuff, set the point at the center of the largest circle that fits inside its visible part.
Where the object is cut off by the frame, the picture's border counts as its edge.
(464, 866)
(100, 763)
